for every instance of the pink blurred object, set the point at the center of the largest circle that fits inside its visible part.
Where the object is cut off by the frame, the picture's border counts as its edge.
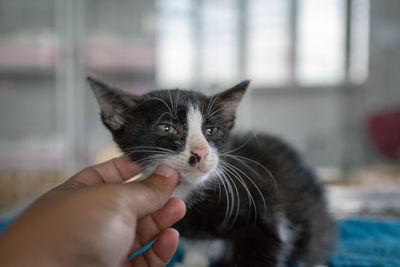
(384, 128)
(21, 57)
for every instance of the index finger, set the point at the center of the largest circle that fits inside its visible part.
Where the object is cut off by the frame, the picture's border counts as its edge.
(116, 170)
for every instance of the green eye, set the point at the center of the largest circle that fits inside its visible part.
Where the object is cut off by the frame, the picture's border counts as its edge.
(211, 131)
(166, 128)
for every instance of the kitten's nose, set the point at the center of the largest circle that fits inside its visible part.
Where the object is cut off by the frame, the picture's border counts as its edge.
(198, 154)
(201, 152)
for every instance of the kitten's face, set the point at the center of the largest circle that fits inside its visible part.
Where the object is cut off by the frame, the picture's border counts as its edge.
(183, 129)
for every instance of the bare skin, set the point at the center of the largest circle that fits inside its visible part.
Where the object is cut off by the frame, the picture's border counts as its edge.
(95, 220)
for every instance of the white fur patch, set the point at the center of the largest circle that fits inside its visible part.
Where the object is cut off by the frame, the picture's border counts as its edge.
(286, 235)
(194, 258)
(193, 175)
(202, 253)
(195, 135)
(183, 190)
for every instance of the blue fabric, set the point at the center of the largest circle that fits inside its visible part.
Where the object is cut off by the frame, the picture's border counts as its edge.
(367, 242)
(362, 242)
(178, 257)
(4, 224)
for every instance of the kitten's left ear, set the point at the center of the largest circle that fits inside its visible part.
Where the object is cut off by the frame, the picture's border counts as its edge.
(230, 99)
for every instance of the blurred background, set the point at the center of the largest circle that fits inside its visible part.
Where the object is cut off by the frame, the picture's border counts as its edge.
(325, 76)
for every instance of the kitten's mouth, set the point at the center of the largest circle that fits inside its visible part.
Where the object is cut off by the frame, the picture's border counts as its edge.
(201, 169)
(194, 175)
(193, 172)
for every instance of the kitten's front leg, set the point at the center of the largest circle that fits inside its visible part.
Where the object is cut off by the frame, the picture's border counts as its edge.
(258, 249)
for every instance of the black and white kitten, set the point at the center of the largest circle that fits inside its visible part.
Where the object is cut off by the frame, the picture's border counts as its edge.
(252, 193)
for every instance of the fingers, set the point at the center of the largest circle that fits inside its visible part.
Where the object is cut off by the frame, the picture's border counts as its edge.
(151, 194)
(161, 252)
(152, 225)
(115, 170)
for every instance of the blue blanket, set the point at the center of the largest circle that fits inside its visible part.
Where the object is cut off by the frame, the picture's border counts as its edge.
(367, 242)
(364, 242)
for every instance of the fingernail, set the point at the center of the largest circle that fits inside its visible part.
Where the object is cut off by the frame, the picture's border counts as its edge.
(165, 170)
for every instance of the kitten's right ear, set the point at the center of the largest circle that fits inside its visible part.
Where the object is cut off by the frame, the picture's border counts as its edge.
(113, 103)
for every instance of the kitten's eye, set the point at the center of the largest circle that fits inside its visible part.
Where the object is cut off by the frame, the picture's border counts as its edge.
(211, 131)
(167, 128)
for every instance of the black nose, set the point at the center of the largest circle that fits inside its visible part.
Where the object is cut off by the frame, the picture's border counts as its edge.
(193, 159)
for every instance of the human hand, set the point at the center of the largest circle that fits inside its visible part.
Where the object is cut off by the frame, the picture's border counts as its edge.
(94, 220)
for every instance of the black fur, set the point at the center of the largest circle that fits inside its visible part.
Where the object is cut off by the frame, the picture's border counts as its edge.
(255, 239)
(285, 186)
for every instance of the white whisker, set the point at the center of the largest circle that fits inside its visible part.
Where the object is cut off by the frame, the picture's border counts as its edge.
(215, 112)
(210, 106)
(228, 204)
(235, 174)
(165, 103)
(254, 184)
(241, 158)
(237, 148)
(231, 182)
(237, 209)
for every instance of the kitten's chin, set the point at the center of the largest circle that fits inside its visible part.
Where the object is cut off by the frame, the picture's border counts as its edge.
(193, 177)
(186, 176)
(188, 182)
(199, 174)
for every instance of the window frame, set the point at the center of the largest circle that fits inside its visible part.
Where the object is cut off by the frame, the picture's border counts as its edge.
(291, 84)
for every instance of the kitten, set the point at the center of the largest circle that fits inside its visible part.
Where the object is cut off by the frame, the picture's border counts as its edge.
(253, 193)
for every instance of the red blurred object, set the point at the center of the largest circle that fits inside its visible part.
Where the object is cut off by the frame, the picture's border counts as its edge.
(384, 129)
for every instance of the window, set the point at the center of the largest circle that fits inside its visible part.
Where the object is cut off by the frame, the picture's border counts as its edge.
(274, 43)
(219, 41)
(176, 37)
(359, 46)
(267, 52)
(321, 42)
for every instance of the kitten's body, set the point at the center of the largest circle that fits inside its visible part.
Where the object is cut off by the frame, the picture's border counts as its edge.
(254, 193)
(295, 225)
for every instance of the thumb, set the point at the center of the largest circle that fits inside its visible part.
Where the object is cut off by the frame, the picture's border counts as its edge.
(152, 193)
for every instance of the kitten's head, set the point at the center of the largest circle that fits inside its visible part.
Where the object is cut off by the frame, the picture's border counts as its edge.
(183, 129)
